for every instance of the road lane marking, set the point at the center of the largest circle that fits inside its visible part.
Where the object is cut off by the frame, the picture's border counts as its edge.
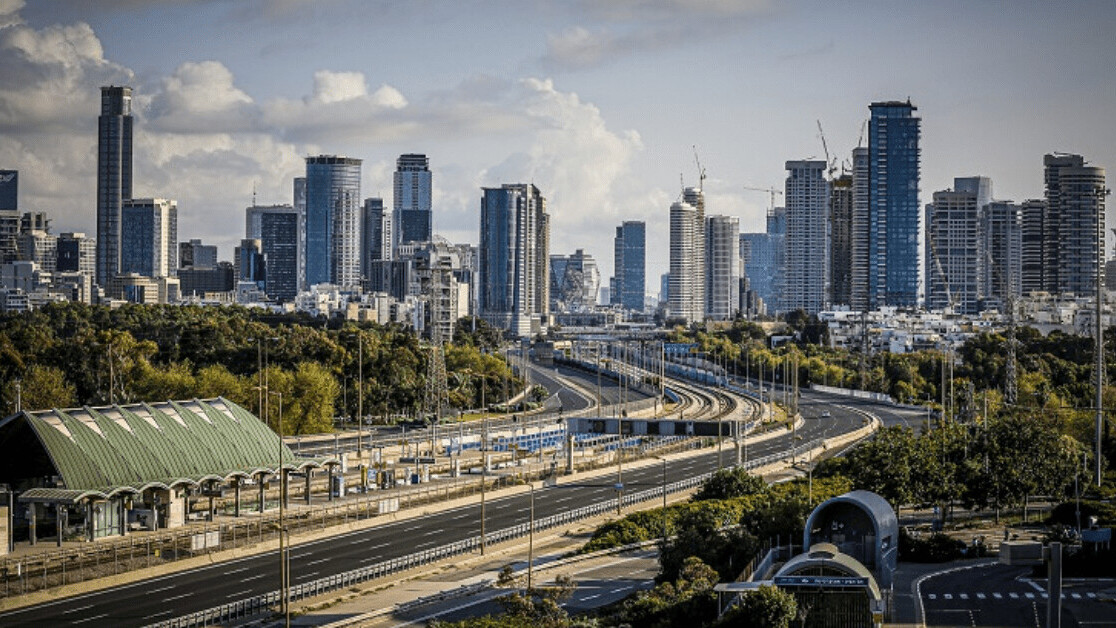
(1013, 595)
(948, 596)
(93, 618)
(255, 577)
(1029, 595)
(1091, 595)
(980, 596)
(932, 596)
(80, 608)
(308, 575)
(964, 596)
(238, 570)
(238, 594)
(177, 597)
(167, 588)
(591, 597)
(320, 560)
(433, 532)
(1076, 596)
(997, 596)
(372, 547)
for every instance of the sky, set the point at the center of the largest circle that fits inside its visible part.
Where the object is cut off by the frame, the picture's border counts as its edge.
(600, 104)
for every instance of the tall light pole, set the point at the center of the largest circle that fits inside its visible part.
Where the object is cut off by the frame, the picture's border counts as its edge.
(1100, 193)
(531, 540)
(284, 574)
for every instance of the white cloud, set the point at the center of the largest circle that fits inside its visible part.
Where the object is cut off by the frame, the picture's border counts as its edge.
(330, 87)
(9, 12)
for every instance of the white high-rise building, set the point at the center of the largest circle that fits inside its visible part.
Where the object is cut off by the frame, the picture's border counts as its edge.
(953, 252)
(1002, 244)
(722, 265)
(806, 277)
(687, 279)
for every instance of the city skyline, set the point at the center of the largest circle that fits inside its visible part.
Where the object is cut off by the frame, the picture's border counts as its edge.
(581, 104)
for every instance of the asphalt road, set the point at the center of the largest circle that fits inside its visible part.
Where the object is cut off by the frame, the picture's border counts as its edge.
(990, 594)
(197, 589)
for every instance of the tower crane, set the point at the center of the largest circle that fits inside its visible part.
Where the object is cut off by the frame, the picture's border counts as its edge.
(701, 171)
(772, 191)
(830, 166)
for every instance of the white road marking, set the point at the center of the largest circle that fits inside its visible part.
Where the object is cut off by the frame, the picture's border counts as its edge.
(997, 596)
(255, 577)
(980, 596)
(177, 597)
(315, 562)
(1013, 595)
(1076, 596)
(93, 618)
(1029, 595)
(932, 596)
(74, 610)
(238, 594)
(167, 588)
(308, 575)
(964, 596)
(948, 596)
(591, 597)
(237, 570)
(433, 532)
(1091, 595)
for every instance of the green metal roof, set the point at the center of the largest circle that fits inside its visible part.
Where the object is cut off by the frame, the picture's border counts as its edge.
(149, 445)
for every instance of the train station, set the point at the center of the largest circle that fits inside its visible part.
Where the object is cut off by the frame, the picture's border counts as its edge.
(92, 473)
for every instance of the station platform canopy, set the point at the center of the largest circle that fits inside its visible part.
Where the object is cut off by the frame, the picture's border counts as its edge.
(71, 455)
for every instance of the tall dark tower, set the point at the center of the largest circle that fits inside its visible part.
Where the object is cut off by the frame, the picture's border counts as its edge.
(114, 176)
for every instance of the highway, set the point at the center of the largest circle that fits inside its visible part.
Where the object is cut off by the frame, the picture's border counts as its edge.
(180, 593)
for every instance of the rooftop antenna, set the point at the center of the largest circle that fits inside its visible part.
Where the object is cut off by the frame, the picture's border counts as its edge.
(253, 194)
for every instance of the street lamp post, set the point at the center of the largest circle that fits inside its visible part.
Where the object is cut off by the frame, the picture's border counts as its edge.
(531, 541)
(284, 571)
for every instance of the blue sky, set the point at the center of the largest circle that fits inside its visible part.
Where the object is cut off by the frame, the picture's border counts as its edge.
(598, 103)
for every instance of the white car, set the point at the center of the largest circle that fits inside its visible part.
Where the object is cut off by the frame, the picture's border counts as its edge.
(825, 415)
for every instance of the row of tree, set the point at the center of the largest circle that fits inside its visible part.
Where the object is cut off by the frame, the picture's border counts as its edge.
(71, 354)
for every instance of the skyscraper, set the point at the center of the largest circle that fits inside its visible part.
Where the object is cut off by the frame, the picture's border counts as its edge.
(953, 252)
(514, 258)
(840, 239)
(1033, 214)
(277, 228)
(859, 227)
(333, 212)
(629, 264)
(1002, 244)
(114, 176)
(251, 264)
(893, 209)
(722, 267)
(806, 271)
(687, 281)
(76, 254)
(149, 237)
(1073, 228)
(412, 217)
(376, 238)
(695, 197)
(300, 207)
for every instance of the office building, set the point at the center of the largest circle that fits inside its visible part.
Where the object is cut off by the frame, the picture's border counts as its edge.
(629, 264)
(687, 277)
(981, 187)
(277, 227)
(1002, 257)
(9, 190)
(859, 228)
(412, 217)
(194, 253)
(76, 254)
(376, 238)
(436, 268)
(333, 213)
(196, 281)
(9, 231)
(806, 270)
(149, 237)
(722, 267)
(300, 209)
(664, 288)
(114, 177)
(514, 255)
(953, 253)
(250, 262)
(893, 208)
(39, 246)
(840, 239)
(1073, 230)
(574, 282)
(1033, 214)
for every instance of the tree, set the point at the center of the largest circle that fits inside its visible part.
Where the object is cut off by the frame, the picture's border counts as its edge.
(883, 465)
(313, 391)
(41, 387)
(730, 483)
(765, 607)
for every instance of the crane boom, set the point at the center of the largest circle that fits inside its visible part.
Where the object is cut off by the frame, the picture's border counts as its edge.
(701, 171)
(772, 191)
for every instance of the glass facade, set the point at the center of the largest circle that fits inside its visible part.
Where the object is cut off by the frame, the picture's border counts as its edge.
(114, 176)
(333, 211)
(893, 209)
(412, 217)
(630, 257)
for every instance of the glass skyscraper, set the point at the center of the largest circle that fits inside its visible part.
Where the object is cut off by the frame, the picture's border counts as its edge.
(412, 217)
(514, 258)
(629, 262)
(333, 212)
(114, 176)
(893, 209)
(149, 237)
(277, 227)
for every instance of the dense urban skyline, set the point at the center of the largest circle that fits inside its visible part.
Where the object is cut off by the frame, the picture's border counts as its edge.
(597, 106)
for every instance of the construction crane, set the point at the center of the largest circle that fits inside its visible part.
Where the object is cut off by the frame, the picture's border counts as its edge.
(772, 191)
(863, 128)
(830, 166)
(701, 171)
